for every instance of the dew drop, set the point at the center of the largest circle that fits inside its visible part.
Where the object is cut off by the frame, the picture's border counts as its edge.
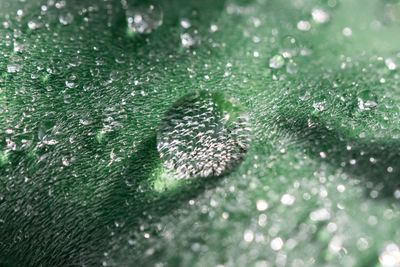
(367, 100)
(396, 133)
(276, 62)
(70, 84)
(185, 23)
(289, 47)
(319, 15)
(303, 25)
(347, 32)
(390, 256)
(213, 28)
(391, 65)
(288, 199)
(203, 134)
(262, 205)
(291, 67)
(320, 215)
(33, 25)
(187, 40)
(66, 19)
(13, 68)
(276, 243)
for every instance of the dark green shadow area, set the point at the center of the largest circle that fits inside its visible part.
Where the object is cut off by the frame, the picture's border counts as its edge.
(375, 164)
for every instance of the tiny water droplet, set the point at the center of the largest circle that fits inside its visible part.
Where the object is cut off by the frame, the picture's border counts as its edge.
(390, 64)
(203, 134)
(288, 46)
(396, 133)
(13, 68)
(347, 32)
(70, 84)
(291, 67)
(185, 23)
(66, 19)
(33, 25)
(214, 28)
(276, 62)
(319, 106)
(319, 15)
(187, 40)
(367, 100)
(303, 25)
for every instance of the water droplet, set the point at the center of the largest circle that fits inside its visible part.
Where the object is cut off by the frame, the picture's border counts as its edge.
(362, 244)
(276, 62)
(319, 15)
(187, 40)
(390, 257)
(341, 188)
(262, 205)
(66, 19)
(13, 68)
(288, 199)
(396, 133)
(144, 19)
(185, 23)
(288, 47)
(248, 236)
(319, 106)
(65, 161)
(347, 32)
(392, 12)
(33, 25)
(276, 243)
(213, 28)
(291, 67)
(303, 25)
(320, 215)
(367, 100)
(50, 142)
(70, 84)
(59, 4)
(203, 134)
(390, 64)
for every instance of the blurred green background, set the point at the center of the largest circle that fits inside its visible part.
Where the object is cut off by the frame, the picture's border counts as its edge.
(83, 90)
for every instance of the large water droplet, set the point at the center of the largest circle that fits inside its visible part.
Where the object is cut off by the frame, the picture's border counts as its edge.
(203, 134)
